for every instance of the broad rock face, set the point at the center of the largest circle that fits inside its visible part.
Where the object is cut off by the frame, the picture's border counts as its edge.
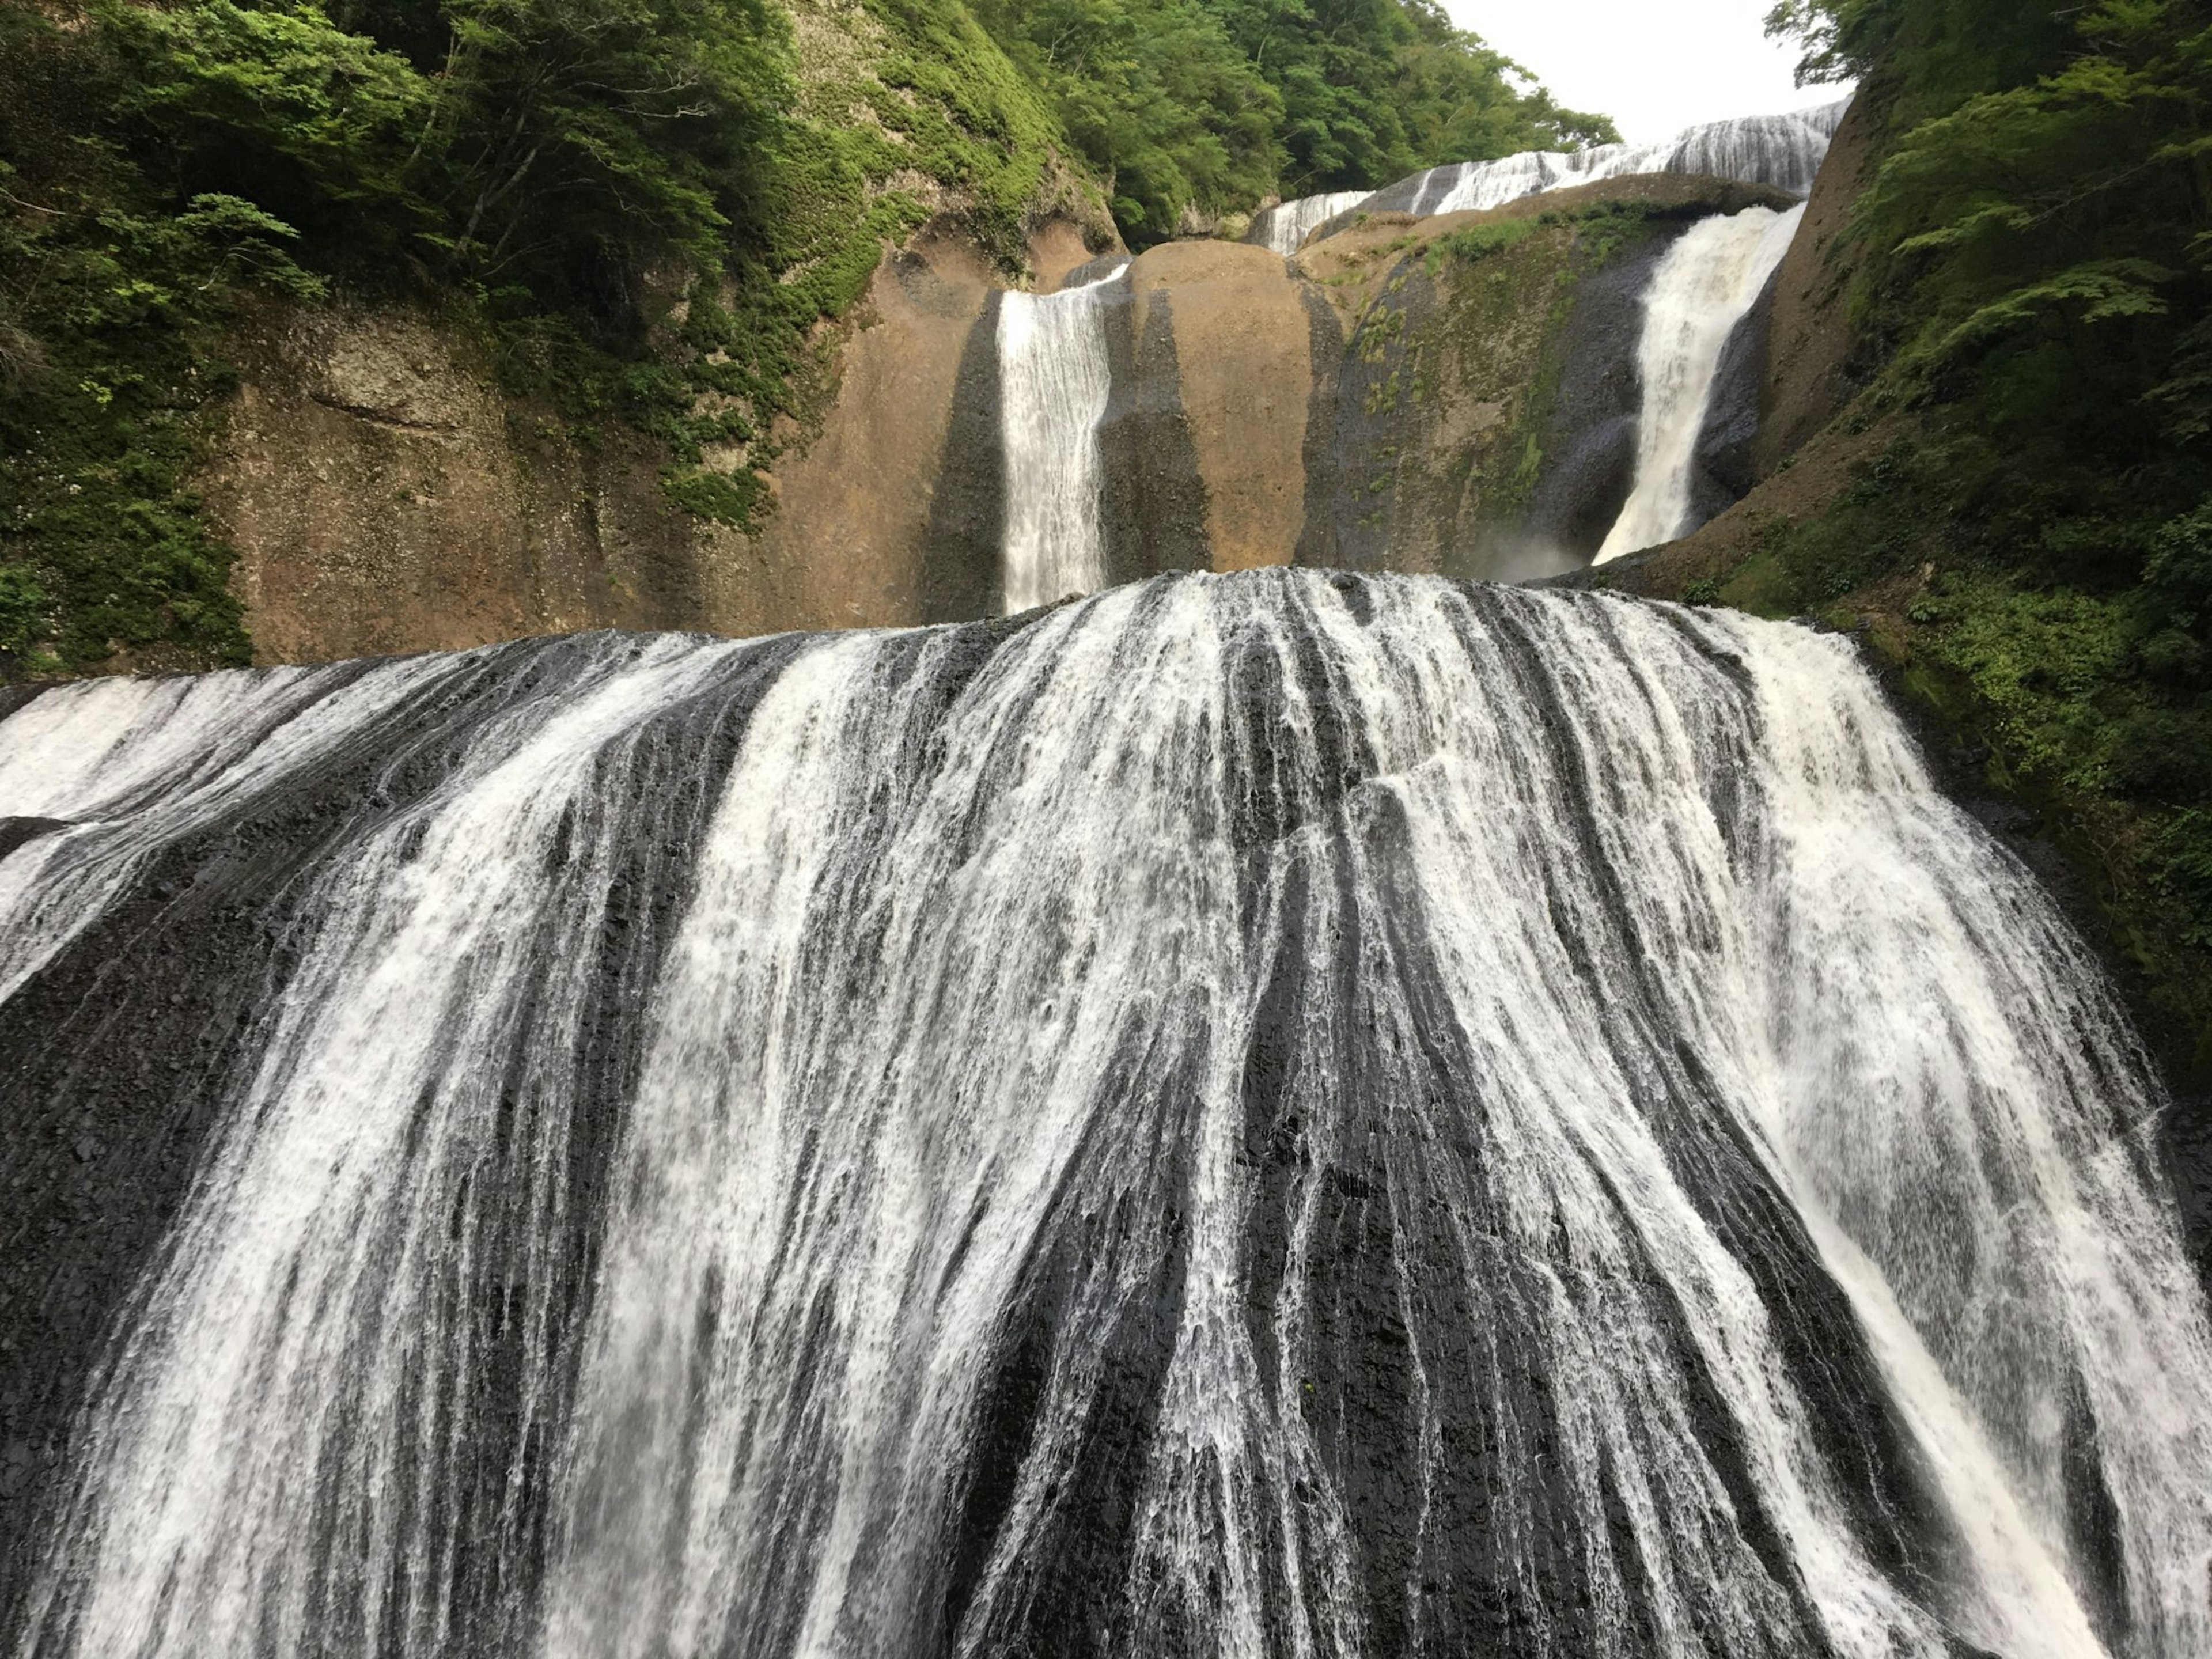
(1456, 393)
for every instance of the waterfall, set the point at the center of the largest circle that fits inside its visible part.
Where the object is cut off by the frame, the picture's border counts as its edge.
(1055, 384)
(1271, 1114)
(1784, 151)
(1706, 285)
(1284, 229)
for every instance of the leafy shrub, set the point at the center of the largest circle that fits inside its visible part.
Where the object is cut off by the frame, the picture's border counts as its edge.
(22, 610)
(1478, 242)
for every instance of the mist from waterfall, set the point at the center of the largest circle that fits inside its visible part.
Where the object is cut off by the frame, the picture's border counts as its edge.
(1702, 289)
(1273, 1114)
(1055, 381)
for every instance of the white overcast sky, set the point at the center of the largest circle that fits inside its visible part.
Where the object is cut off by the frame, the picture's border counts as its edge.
(1654, 65)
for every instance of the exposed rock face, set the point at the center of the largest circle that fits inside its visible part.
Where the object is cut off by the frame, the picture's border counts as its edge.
(1245, 352)
(855, 502)
(1482, 423)
(1816, 362)
(380, 502)
(1456, 394)
(1152, 505)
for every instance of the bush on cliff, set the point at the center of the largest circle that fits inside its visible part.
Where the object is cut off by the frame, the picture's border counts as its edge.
(632, 203)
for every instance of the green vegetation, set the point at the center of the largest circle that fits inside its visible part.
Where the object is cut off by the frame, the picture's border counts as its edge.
(1477, 243)
(1196, 108)
(641, 209)
(1602, 230)
(637, 215)
(2032, 545)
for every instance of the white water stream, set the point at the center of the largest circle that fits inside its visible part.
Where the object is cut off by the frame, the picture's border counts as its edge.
(1284, 229)
(1784, 151)
(1257, 1116)
(1055, 382)
(1704, 286)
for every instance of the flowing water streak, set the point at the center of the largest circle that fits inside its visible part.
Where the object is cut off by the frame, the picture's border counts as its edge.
(1270, 1115)
(1283, 229)
(1784, 151)
(285, 1408)
(1054, 383)
(125, 767)
(1704, 286)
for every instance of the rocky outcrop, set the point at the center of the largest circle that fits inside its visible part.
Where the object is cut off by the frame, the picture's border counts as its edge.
(383, 497)
(1246, 354)
(1482, 423)
(1816, 360)
(855, 500)
(1455, 394)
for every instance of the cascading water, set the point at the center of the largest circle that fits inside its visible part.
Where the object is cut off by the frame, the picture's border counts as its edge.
(1704, 286)
(1055, 381)
(1284, 229)
(1784, 151)
(1267, 1115)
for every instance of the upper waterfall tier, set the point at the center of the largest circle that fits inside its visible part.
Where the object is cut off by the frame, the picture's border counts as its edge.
(1784, 151)
(1283, 229)
(1700, 294)
(1055, 382)
(1275, 1114)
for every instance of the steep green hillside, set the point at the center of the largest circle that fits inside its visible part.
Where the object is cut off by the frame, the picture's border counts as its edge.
(2024, 519)
(642, 209)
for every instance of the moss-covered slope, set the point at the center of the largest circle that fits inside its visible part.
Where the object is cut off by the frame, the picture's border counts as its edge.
(1481, 422)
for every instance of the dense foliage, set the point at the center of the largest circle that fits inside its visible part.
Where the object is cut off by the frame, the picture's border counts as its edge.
(637, 208)
(2039, 249)
(1192, 109)
(640, 211)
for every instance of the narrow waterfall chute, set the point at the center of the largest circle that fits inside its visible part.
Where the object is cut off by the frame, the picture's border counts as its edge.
(1703, 288)
(1283, 229)
(1055, 381)
(1286, 1113)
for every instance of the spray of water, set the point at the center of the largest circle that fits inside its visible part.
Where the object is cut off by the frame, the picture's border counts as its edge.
(1273, 1114)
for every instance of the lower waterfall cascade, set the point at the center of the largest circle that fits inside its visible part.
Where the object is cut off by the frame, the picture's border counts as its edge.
(1055, 382)
(1283, 1113)
(1703, 289)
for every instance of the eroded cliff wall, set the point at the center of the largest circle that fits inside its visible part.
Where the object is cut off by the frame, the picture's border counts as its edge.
(1454, 394)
